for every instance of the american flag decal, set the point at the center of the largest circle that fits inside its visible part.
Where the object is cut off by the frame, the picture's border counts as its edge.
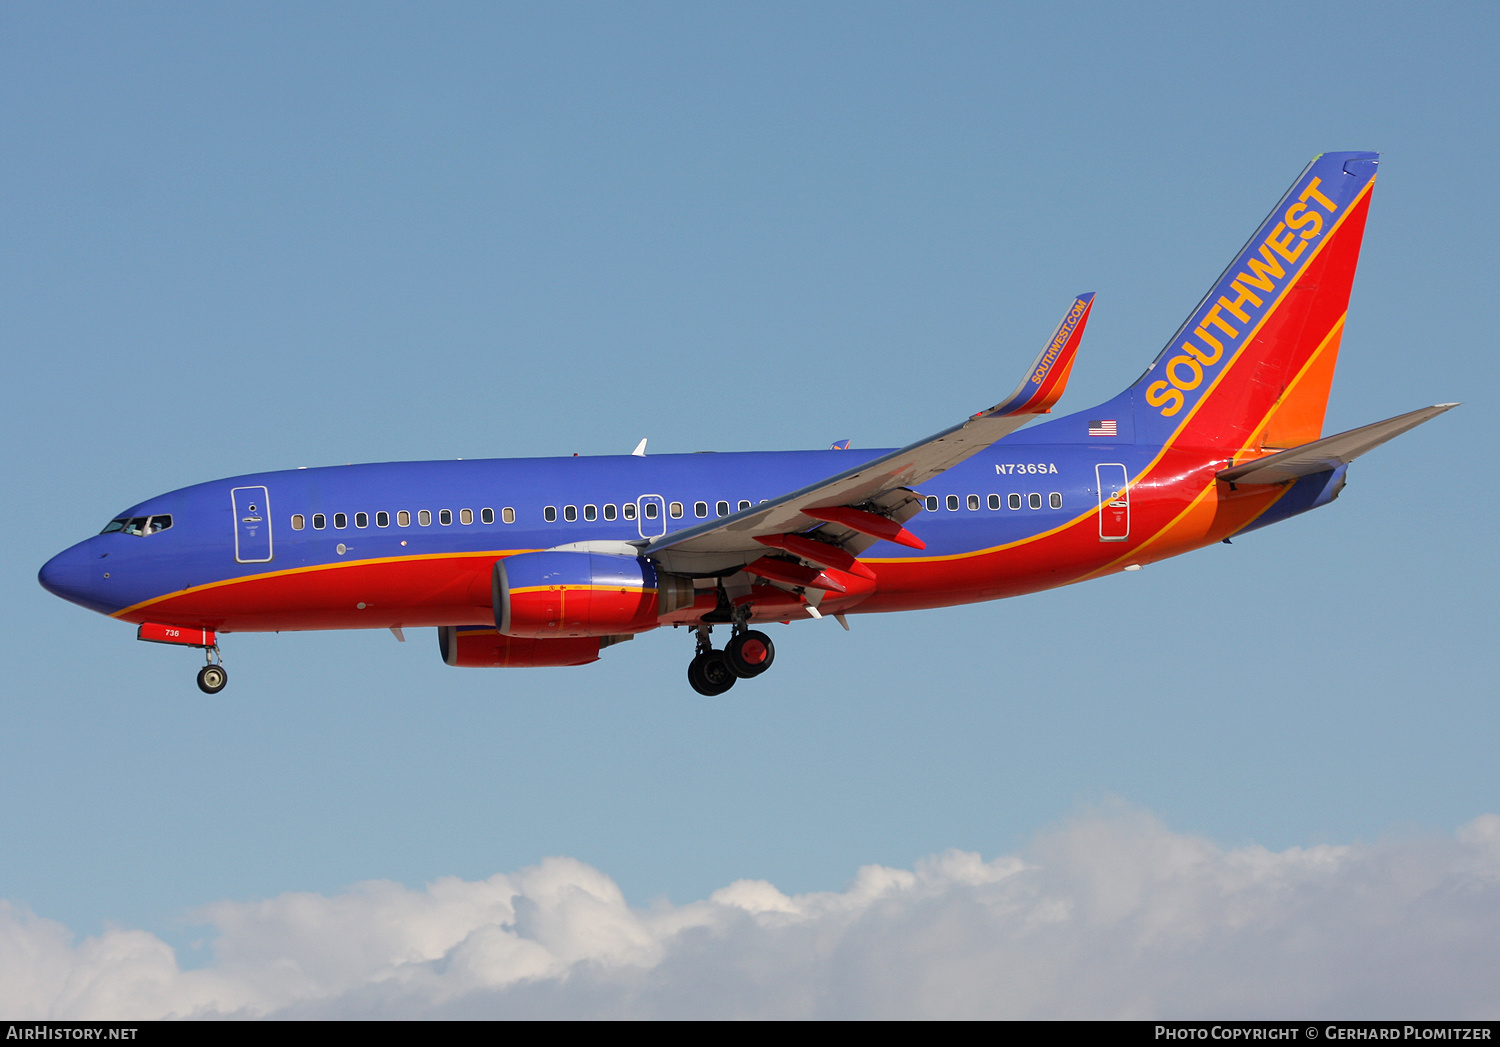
(1104, 427)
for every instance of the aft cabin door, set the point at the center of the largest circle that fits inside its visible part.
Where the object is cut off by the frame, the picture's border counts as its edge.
(1114, 502)
(252, 524)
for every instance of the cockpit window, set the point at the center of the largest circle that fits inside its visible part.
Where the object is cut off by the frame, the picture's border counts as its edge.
(138, 525)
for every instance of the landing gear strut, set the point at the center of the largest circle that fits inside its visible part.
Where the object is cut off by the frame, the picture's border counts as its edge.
(212, 677)
(748, 653)
(709, 672)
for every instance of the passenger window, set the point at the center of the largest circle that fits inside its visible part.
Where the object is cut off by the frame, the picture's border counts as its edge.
(319, 521)
(591, 512)
(403, 518)
(721, 509)
(652, 511)
(382, 519)
(361, 519)
(700, 509)
(932, 503)
(952, 502)
(994, 501)
(1055, 499)
(445, 516)
(676, 510)
(550, 514)
(487, 516)
(341, 520)
(1013, 500)
(570, 513)
(298, 521)
(1034, 500)
(508, 515)
(424, 517)
(628, 510)
(609, 511)
(973, 501)
(466, 516)
(744, 503)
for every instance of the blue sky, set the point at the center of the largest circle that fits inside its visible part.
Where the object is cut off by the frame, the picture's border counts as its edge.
(243, 237)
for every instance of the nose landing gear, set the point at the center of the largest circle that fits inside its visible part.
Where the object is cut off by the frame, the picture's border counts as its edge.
(748, 653)
(212, 678)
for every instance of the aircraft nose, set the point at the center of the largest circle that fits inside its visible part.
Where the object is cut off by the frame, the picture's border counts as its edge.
(69, 574)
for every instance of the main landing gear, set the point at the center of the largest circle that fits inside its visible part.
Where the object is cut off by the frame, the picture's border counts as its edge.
(748, 653)
(212, 677)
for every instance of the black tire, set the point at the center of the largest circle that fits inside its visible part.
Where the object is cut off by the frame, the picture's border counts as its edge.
(750, 654)
(212, 679)
(710, 675)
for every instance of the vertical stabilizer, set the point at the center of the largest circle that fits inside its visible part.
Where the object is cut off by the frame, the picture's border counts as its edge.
(1250, 370)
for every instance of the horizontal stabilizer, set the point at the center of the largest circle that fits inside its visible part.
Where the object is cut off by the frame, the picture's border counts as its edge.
(1328, 453)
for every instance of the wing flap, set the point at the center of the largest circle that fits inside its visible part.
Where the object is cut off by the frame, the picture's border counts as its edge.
(1330, 452)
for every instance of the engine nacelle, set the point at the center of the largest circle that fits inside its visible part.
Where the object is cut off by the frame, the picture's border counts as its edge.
(480, 647)
(574, 594)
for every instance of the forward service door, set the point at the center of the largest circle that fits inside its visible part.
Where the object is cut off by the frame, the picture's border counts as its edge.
(252, 524)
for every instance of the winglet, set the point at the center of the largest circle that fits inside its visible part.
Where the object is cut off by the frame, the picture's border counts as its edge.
(1044, 383)
(640, 448)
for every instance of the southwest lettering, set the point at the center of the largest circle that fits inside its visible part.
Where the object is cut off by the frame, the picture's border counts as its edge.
(1306, 217)
(1211, 340)
(1058, 341)
(1312, 191)
(1182, 383)
(1279, 243)
(1198, 354)
(1263, 271)
(1159, 393)
(1266, 266)
(1244, 296)
(1212, 317)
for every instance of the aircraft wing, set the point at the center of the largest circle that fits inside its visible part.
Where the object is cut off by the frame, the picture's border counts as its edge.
(1328, 453)
(876, 488)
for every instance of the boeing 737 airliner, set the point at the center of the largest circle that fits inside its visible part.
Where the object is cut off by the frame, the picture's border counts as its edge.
(537, 562)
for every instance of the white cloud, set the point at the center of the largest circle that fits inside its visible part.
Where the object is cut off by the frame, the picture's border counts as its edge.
(1111, 915)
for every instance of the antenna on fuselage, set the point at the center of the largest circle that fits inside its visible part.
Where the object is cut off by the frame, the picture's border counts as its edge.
(640, 448)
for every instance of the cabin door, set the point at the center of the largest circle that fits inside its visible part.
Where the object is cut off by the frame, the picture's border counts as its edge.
(1114, 502)
(252, 524)
(651, 515)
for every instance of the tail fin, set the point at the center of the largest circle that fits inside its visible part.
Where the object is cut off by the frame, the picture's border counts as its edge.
(1249, 372)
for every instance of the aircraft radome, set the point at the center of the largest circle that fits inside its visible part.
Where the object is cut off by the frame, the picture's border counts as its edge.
(547, 561)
